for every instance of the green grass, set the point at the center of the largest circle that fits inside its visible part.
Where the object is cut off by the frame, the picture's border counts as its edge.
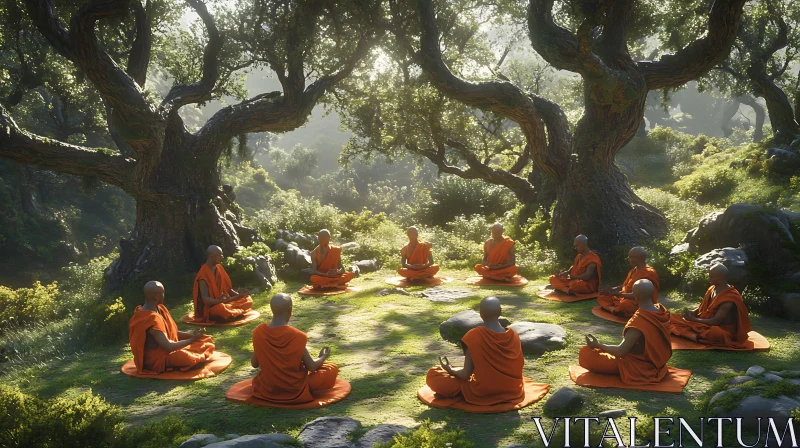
(384, 346)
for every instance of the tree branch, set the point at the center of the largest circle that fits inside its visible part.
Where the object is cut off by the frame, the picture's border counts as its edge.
(700, 56)
(23, 147)
(44, 18)
(139, 57)
(200, 91)
(556, 44)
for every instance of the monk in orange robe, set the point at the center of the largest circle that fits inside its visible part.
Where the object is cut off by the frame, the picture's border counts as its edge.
(721, 319)
(288, 375)
(416, 258)
(585, 274)
(156, 343)
(499, 260)
(620, 300)
(326, 264)
(493, 362)
(214, 298)
(642, 356)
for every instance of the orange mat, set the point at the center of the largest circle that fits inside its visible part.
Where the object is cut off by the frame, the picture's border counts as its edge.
(403, 282)
(249, 316)
(558, 296)
(533, 392)
(755, 343)
(516, 281)
(603, 314)
(242, 392)
(214, 366)
(310, 291)
(674, 382)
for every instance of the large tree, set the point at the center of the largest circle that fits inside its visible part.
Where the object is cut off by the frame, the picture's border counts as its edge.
(462, 125)
(172, 173)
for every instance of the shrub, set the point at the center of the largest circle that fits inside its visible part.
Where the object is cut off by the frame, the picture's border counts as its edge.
(535, 261)
(25, 305)
(381, 243)
(451, 251)
(696, 280)
(289, 210)
(707, 186)
(168, 431)
(365, 221)
(475, 228)
(243, 274)
(252, 185)
(682, 215)
(426, 437)
(453, 196)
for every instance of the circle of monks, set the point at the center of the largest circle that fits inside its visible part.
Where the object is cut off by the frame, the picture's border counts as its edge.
(490, 379)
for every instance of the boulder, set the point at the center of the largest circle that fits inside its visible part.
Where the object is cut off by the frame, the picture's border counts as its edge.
(365, 266)
(772, 378)
(613, 413)
(734, 259)
(783, 157)
(198, 440)
(755, 371)
(266, 268)
(565, 400)
(740, 379)
(328, 432)
(258, 441)
(754, 406)
(305, 274)
(679, 249)
(454, 328)
(382, 433)
(538, 338)
(791, 305)
(297, 258)
(280, 245)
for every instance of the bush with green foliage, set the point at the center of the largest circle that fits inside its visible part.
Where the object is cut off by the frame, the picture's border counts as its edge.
(382, 243)
(289, 210)
(353, 223)
(475, 228)
(251, 184)
(682, 214)
(243, 274)
(707, 186)
(535, 261)
(25, 305)
(453, 196)
(452, 251)
(426, 437)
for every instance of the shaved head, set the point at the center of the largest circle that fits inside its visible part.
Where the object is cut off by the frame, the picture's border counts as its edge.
(153, 291)
(325, 232)
(214, 250)
(638, 251)
(582, 239)
(490, 308)
(637, 257)
(718, 275)
(497, 231)
(718, 269)
(281, 305)
(643, 290)
(413, 230)
(581, 244)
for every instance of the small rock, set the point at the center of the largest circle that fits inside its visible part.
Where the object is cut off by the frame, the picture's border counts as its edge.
(258, 441)
(390, 291)
(752, 407)
(755, 371)
(350, 246)
(772, 378)
(564, 400)
(366, 266)
(795, 278)
(199, 440)
(454, 328)
(719, 395)
(444, 295)
(328, 432)
(679, 249)
(789, 373)
(614, 413)
(382, 433)
(795, 382)
(717, 411)
(539, 338)
(741, 379)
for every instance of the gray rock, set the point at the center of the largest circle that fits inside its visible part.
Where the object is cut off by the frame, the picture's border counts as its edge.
(454, 328)
(791, 305)
(538, 338)
(781, 155)
(267, 268)
(755, 371)
(719, 395)
(614, 413)
(717, 411)
(356, 271)
(564, 400)
(281, 245)
(794, 278)
(795, 382)
(366, 266)
(734, 259)
(305, 274)
(789, 373)
(753, 407)
(679, 249)
(231, 436)
(741, 379)
(199, 440)
(772, 378)
(440, 294)
(350, 246)
(258, 441)
(516, 445)
(382, 433)
(328, 432)
(390, 291)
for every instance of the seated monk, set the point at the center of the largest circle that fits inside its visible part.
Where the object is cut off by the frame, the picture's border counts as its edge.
(584, 275)
(620, 300)
(642, 356)
(214, 298)
(156, 343)
(722, 317)
(288, 375)
(416, 258)
(326, 264)
(493, 362)
(499, 259)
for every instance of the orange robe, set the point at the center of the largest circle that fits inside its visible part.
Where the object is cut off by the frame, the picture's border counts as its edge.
(499, 254)
(283, 377)
(730, 335)
(579, 267)
(626, 307)
(218, 283)
(420, 255)
(647, 367)
(331, 262)
(497, 377)
(158, 360)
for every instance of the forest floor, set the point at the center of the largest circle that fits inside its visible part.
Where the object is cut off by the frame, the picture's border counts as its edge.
(384, 346)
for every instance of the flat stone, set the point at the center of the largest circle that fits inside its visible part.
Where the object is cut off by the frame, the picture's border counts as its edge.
(390, 291)
(564, 400)
(719, 395)
(258, 441)
(795, 382)
(231, 436)
(789, 373)
(772, 378)
(366, 266)
(382, 433)
(538, 338)
(199, 440)
(454, 328)
(613, 413)
(328, 432)
(753, 407)
(444, 295)
(755, 371)
(741, 379)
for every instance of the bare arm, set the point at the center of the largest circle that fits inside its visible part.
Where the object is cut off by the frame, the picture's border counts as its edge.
(718, 318)
(254, 360)
(430, 260)
(314, 364)
(464, 373)
(161, 339)
(204, 294)
(629, 340)
(485, 255)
